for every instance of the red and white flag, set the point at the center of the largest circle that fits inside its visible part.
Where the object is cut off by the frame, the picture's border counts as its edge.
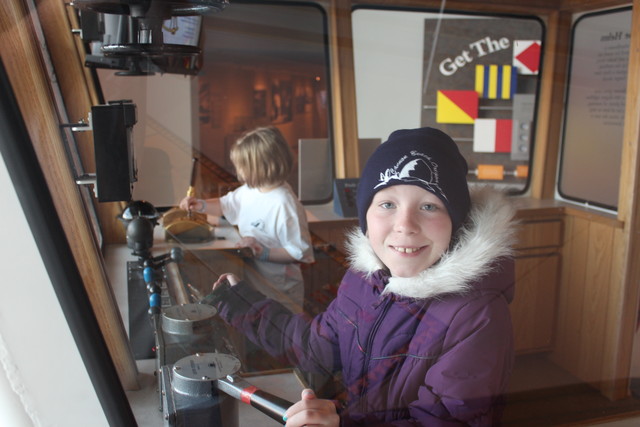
(526, 56)
(492, 135)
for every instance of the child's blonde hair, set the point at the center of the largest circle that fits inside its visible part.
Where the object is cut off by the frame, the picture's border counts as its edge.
(262, 157)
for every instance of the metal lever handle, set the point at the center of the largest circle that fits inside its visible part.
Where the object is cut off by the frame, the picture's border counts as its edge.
(267, 403)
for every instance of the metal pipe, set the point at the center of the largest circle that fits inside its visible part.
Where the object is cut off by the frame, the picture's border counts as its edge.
(175, 285)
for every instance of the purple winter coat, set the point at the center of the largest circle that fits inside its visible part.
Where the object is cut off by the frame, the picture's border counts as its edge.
(431, 350)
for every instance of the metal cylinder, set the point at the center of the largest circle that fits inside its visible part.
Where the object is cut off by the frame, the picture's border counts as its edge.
(176, 287)
(190, 395)
(196, 375)
(188, 319)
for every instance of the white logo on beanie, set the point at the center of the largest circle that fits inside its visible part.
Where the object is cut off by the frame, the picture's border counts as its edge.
(420, 171)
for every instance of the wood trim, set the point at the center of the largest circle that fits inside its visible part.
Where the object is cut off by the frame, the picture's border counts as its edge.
(74, 23)
(539, 7)
(526, 214)
(544, 110)
(623, 309)
(627, 199)
(76, 84)
(343, 90)
(584, 6)
(593, 217)
(112, 229)
(551, 101)
(30, 80)
(499, 6)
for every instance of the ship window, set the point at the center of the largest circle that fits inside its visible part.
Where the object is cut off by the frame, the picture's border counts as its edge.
(476, 77)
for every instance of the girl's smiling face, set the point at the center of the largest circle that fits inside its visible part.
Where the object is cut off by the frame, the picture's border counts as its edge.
(409, 229)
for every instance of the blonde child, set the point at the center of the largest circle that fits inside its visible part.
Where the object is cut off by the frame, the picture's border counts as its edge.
(420, 328)
(270, 218)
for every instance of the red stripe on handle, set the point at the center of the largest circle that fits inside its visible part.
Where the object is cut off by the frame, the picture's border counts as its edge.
(245, 394)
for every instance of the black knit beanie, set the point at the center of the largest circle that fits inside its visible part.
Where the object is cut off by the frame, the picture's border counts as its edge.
(425, 157)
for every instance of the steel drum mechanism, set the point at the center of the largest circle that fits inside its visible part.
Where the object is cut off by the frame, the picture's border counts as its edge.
(196, 389)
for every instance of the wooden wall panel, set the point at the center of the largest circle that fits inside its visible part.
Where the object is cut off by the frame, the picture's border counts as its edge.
(571, 293)
(30, 80)
(547, 121)
(590, 320)
(619, 327)
(534, 302)
(594, 304)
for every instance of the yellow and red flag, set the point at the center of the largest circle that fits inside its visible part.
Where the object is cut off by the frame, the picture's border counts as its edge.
(457, 106)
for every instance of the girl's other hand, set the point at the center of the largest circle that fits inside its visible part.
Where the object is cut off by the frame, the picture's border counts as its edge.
(311, 411)
(251, 242)
(228, 277)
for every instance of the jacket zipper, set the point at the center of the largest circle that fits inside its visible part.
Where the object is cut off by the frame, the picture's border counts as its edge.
(372, 334)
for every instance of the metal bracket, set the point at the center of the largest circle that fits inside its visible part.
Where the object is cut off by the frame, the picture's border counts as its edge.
(88, 179)
(81, 126)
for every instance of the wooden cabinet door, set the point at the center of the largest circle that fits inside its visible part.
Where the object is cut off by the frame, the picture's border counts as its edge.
(533, 309)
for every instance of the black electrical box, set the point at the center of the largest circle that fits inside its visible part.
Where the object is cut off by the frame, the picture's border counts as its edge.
(113, 145)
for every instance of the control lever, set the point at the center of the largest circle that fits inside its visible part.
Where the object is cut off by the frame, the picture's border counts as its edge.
(267, 403)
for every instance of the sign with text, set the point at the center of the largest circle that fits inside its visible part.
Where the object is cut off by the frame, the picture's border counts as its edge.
(594, 116)
(473, 70)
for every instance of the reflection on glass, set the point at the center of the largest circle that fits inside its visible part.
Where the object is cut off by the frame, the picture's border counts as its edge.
(261, 64)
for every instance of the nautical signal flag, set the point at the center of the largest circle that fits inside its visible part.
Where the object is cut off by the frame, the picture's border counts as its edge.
(526, 56)
(492, 135)
(496, 81)
(457, 106)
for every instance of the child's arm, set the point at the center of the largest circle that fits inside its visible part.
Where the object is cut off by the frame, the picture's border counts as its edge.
(209, 206)
(274, 328)
(279, 255)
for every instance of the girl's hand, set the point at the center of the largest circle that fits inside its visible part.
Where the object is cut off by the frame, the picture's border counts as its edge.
(190, 203)
(251, 242)
(229, 277)
(311, 411)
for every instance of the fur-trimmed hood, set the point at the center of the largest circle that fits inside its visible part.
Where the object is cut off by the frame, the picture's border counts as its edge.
(487, 236)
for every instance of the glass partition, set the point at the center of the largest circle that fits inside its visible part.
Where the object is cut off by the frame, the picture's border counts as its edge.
(262, 64)
(265, 63)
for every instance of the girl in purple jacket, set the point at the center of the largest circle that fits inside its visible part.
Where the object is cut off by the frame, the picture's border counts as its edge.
(420, 328)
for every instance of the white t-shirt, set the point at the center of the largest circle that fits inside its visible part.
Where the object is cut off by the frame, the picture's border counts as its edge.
(276, 219)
